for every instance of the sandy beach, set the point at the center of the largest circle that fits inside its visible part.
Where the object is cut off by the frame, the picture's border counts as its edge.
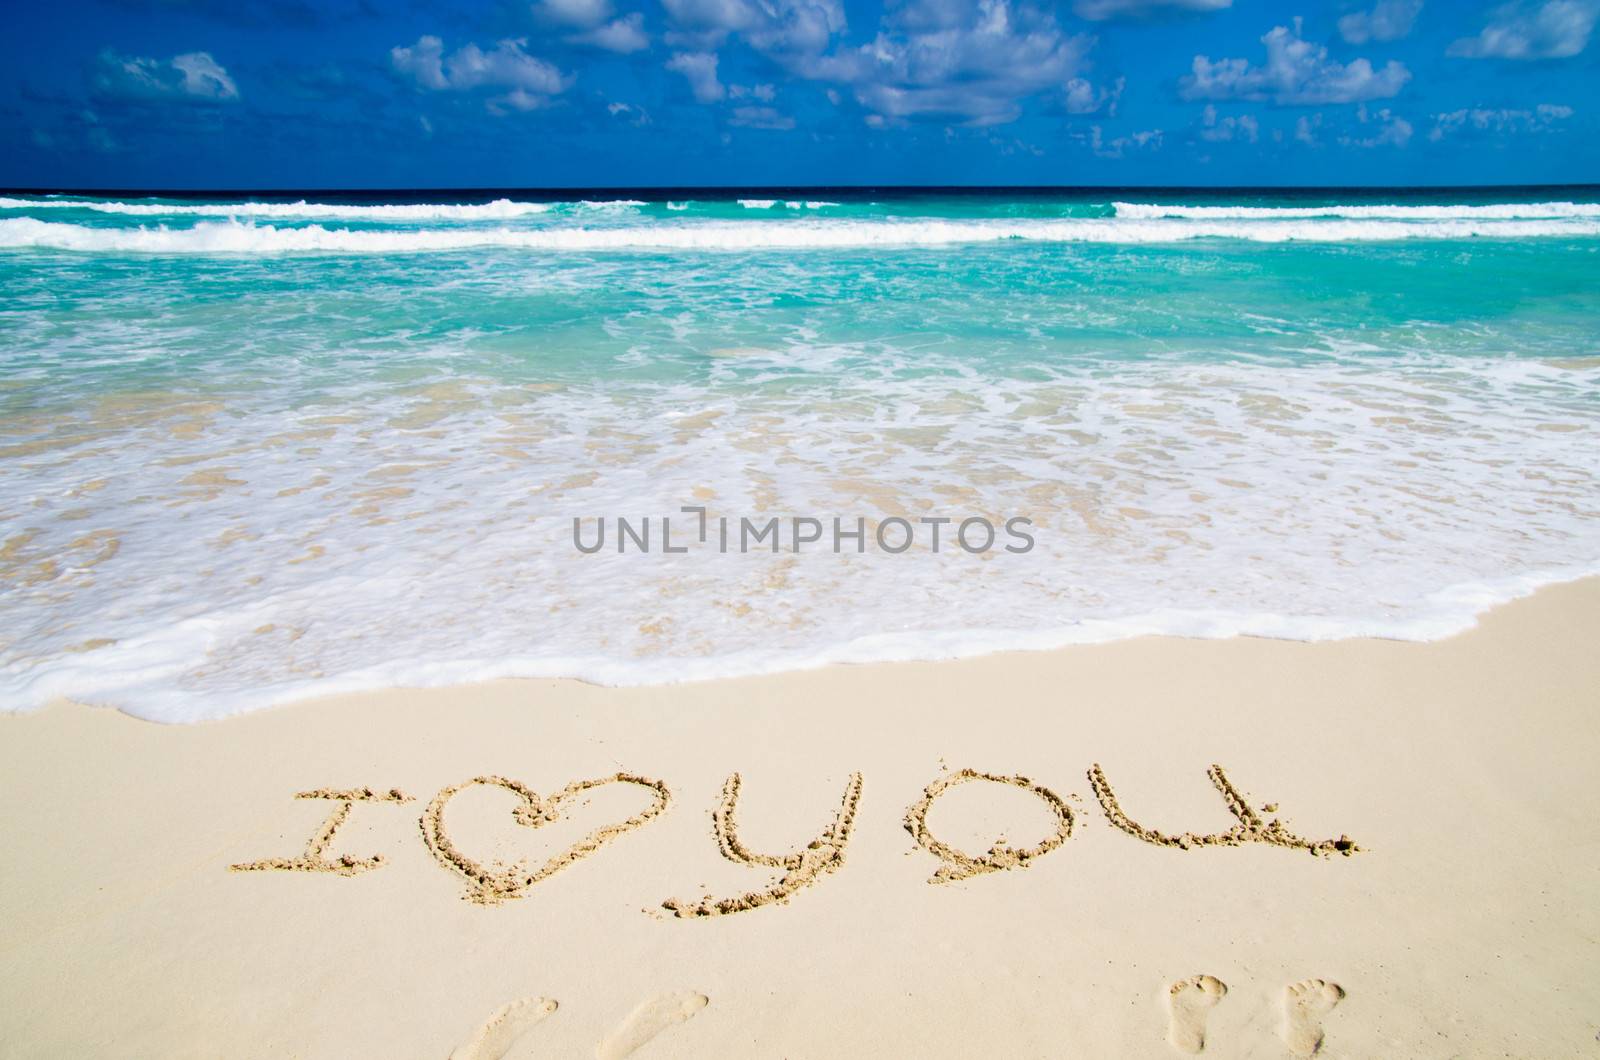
(935, 912)
(800, 530)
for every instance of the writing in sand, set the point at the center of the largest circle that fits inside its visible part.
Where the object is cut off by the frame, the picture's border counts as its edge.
(788, 873)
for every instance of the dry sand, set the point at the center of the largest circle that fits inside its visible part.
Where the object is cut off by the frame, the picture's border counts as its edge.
(798, 911)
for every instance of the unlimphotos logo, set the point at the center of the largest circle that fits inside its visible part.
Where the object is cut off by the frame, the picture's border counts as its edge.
(973, 534)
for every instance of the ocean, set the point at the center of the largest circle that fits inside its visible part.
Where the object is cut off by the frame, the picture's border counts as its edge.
(257, 448)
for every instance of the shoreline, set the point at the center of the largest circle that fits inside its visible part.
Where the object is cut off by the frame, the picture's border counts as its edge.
(1485, 598)
(1462, 768)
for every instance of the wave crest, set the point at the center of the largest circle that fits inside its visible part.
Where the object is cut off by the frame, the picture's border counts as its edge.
(234, 237)
(499, 209)
(1491, 211)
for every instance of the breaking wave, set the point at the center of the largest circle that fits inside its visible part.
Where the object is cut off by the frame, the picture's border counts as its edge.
(234, 237)
(787, 204)
(1491, 211)
(499, 209)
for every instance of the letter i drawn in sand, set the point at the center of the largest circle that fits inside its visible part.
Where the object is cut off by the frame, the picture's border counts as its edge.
(315, 858)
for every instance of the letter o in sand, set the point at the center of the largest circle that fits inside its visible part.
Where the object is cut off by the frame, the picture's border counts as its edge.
(958, 865)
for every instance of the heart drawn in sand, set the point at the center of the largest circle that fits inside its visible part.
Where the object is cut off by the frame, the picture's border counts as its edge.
(488, 886)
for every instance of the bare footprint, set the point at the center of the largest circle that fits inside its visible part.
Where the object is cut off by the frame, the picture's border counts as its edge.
(648, 1020)
(1304, 1005)
(500, 1031)
(1190, 1001)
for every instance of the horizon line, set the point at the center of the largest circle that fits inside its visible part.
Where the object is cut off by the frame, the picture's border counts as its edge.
(666, 189)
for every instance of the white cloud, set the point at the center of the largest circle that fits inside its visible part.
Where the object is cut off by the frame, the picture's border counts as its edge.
(700, 70)
(1393, 130)
(1498, 121)
(760, 118)
(424, 61)
(528, 82)
(1083, 98)
(594, 25)
(782, 26)
(1013, 146)
(1297, 73)
(708, 22)
(766, 93)
(204, 76)
(1098, 10)
(629, 112)
(956, 61)
(1150, 138)
(969, 62)
(582, 13)
(1242, 127)
(1396, 131)
(1305, 129)
(1388, 20)
(1552, 30)
(193, 75)
(621, 35)
(518, 99)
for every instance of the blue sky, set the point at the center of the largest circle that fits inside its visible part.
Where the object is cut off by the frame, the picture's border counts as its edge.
(530, 93)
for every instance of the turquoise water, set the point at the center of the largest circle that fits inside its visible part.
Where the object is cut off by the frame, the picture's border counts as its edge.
(255, 451)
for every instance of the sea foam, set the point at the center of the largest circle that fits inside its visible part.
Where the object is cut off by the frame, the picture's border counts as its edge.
(234, 237)
(264, 552)
(1490, 211)
(499, 209)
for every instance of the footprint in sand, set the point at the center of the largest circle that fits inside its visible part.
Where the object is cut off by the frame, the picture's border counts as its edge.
(1190, 1001)
(1304, 1005)
(648, 1020)
(500, 1031)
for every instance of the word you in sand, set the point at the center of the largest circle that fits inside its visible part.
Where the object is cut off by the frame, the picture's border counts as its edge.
(488, 884)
